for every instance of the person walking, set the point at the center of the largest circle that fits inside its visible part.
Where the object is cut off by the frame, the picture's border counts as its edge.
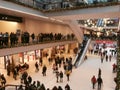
(61, 76)
(114, 67)
(93, 80)
(40, 61)
(15, 73)
(110, 56)
(37, 67)
(29, 79)
(68, 74)
(102, 57)
(8, 70)
(99, 72)
(57, 75)
(106, 57)
(44, 70)
(3, 80)
(100, 82)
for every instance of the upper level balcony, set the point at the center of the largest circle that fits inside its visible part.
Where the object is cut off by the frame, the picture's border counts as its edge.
(70, 10)
(16, 46)
(60, 5)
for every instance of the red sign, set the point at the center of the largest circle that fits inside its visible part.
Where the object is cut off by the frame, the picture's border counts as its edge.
(104, 41)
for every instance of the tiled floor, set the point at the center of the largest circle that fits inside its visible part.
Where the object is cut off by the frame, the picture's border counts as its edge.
(80, 79)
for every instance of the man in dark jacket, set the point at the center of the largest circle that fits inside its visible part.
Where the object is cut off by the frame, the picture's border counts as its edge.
(29, 79)
(44, 70)
(100, 81)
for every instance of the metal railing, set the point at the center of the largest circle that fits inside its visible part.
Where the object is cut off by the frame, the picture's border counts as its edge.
(11, 87)
(31, 42)
(82, 52)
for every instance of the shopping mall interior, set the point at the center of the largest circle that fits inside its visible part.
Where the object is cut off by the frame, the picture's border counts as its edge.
(59, 44)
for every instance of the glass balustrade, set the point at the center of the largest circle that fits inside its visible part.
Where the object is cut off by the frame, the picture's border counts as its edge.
(38, 40)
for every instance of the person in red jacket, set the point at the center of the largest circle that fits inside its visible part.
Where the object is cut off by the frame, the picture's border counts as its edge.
(114, 67)
(93, 80)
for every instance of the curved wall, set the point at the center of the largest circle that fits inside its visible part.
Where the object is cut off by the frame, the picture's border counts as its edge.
(42, 26)
(36, 26)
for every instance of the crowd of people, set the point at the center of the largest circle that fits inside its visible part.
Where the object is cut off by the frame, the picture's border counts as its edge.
(36, 85)
(14, 39)
(103, 35)
(55, 63)
(58, 62)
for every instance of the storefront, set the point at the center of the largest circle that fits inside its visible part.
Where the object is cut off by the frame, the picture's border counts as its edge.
(26, 57)
(29, 56)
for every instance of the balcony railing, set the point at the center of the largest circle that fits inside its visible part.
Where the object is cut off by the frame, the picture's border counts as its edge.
(20, 43)
(11, 87)
(63, 5)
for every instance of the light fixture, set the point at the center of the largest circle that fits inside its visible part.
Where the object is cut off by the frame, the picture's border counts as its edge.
(52, 19)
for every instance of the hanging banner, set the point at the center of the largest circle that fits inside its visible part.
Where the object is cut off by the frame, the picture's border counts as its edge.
(108, 43)
(105, 41)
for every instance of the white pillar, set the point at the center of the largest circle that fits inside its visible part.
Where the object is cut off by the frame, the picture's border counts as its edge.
(49, 52)
(66, 48)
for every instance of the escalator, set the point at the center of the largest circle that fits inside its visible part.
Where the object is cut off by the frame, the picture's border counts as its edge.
(82, 52)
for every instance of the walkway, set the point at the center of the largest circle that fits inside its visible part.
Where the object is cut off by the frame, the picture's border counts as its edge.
(80, 79)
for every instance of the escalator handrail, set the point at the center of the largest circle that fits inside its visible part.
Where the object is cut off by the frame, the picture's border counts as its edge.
(84, 52)
(80, 56)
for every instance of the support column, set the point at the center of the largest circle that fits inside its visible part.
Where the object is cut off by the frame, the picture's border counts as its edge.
(49, 52)
(41, 55)
(35, 55)
(66, 48)
(22, 57)
(5, 62)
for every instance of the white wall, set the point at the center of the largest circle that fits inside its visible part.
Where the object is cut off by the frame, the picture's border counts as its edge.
(6, 26)
(35, 26)
(42, 26)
